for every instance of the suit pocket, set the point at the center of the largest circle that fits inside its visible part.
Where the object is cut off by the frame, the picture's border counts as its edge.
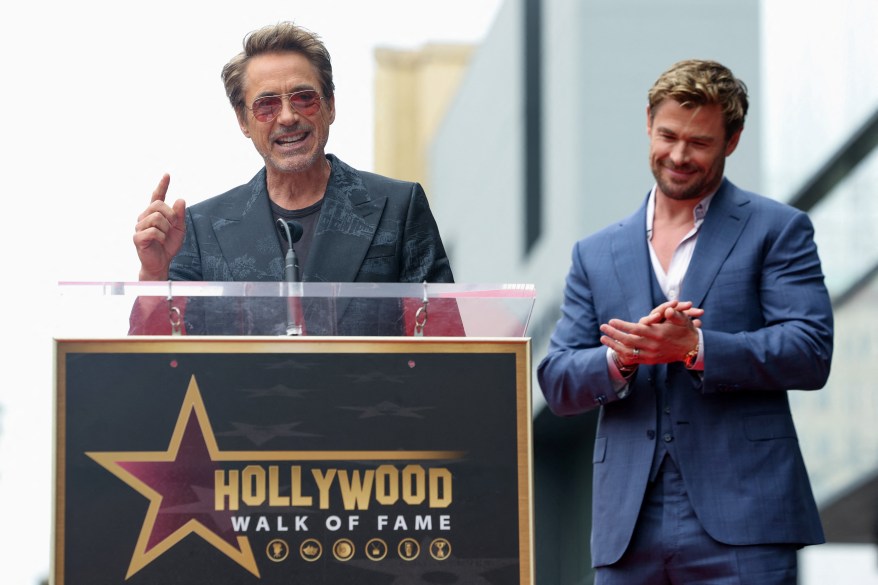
(380, 251)
(600, 450)
(764, 427)
(737, 278)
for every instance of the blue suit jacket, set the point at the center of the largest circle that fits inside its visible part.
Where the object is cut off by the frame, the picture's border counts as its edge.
(767, 329)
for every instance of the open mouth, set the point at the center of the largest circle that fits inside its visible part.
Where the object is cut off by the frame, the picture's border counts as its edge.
(291, 139)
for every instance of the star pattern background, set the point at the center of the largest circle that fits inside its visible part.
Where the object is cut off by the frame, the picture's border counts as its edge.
(264, 403)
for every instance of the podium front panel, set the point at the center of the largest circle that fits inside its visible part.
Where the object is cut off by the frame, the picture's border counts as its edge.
(279, 461)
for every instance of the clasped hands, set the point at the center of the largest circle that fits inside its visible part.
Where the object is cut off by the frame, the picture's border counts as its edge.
(665, 335)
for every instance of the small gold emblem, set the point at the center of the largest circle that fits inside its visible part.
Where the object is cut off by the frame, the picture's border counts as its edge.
(440, 549)
(277, 550)
(408, 549)
(311, 550)
(376, 549)
(343, 549)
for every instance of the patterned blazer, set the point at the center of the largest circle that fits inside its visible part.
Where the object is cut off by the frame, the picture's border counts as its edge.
(371, 229)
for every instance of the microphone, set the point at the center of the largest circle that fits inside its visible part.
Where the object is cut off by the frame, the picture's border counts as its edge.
(292, 232)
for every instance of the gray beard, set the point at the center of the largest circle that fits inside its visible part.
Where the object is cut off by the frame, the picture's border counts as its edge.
(299, 166)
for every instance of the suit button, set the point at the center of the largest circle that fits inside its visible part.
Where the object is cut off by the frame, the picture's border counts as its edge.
(650, 434)
(667, 410)
(668, 437)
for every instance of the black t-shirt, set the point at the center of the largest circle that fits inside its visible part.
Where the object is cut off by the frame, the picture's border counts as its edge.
(307, 218)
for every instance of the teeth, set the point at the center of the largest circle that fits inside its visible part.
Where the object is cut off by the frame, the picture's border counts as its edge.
(291, 139)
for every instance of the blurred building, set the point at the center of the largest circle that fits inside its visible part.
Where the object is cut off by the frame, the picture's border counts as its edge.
(412, 91)
(545, 142)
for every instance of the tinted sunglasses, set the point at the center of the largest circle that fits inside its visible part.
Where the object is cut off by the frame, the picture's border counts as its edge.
(267, 108)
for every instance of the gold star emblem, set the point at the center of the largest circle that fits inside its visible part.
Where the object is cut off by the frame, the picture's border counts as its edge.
(175, 481)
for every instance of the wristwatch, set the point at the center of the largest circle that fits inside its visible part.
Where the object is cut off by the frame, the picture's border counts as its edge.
(623, 369)
(690, 358)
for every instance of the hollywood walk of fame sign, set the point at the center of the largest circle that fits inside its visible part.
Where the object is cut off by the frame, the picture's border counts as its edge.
(293, 461)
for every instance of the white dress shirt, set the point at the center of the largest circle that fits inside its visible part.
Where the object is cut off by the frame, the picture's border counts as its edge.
(671, 282)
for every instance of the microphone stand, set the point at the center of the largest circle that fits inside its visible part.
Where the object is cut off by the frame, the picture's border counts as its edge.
(292, 232)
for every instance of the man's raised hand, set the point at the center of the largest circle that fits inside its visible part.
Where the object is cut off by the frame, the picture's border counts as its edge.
(159, 232)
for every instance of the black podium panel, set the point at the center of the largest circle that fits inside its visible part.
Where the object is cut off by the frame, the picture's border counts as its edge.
(277, 461)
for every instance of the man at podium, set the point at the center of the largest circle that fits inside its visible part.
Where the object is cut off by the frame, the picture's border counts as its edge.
(347, 225)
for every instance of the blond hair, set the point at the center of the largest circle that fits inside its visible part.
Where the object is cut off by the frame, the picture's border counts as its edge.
(696, 83)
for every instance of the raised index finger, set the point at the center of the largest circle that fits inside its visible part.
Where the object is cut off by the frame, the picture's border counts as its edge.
(161, 189)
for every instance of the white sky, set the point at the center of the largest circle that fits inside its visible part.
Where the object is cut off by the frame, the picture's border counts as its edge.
(100, 99)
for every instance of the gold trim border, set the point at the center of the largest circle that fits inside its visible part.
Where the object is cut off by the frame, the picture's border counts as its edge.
(519, 347)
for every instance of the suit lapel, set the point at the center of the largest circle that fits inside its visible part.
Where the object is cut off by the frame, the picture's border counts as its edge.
(246, 234)
(728, 214)
(344, 232)
(346, 227)
(630, 258)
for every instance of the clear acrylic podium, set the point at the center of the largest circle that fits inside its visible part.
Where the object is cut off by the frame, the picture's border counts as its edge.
(275, 433)
(270, 308)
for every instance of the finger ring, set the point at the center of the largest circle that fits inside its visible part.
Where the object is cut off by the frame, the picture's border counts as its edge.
(636, 352)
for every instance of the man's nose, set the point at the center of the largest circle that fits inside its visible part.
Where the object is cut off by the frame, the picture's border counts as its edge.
(679, 152)
(288, 113)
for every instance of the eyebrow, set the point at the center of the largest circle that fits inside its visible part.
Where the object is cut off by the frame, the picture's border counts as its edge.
(698, 138)
(296, 89)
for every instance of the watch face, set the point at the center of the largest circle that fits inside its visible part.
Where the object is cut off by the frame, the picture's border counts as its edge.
(623, 369)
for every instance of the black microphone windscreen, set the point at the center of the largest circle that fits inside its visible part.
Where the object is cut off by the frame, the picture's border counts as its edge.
(290, 230)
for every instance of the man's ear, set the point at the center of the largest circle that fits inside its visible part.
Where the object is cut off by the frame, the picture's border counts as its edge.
(242, 123)
(732, 143)
(330, 108)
